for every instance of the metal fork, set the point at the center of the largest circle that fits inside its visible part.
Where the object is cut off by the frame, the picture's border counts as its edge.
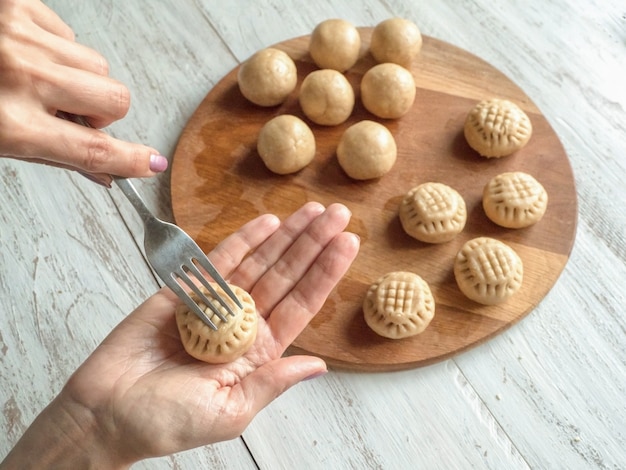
(170, 251)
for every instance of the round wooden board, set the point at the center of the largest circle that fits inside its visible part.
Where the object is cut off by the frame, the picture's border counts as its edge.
(219, 183)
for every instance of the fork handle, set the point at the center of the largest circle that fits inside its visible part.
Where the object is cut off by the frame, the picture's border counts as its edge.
(135, 199)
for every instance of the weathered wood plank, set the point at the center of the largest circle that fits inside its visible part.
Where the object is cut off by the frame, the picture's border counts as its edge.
(548, 393)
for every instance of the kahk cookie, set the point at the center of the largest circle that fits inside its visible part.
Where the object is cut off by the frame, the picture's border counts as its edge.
(366, 150)
(514, 200)
(335, 44)
(497, 128)
(326, 97)
(399, 305)
(396, 40)
(286, 144)
(267, 77)
(488, 271)
(388, 90)
(231, 339)
(433, 213)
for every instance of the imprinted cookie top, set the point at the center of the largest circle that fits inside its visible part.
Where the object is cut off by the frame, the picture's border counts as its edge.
(398, 305)
(497, 128)
(433, 213)
(488, 271)
(231, 339)
(514, 200)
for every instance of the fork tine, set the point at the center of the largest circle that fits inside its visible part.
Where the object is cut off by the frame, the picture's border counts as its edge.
(209, 268)
(194, 307)
(203, 298)
(196, 272)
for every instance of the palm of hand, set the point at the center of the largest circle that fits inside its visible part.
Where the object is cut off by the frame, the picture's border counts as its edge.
(149, 395)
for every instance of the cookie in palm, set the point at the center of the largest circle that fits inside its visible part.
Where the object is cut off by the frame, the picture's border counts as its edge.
(232, 338)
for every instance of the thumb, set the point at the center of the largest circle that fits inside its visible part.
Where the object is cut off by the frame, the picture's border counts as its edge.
(272, 379)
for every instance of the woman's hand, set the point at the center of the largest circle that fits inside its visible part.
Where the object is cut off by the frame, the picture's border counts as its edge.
(141, 395)
(43, 70)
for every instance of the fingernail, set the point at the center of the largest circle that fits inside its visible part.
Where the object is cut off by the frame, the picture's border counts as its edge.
(158, 163)
(316, 375)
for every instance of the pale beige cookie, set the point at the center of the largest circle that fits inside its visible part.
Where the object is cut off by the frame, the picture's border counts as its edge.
(326, 97)
(399, 305)
(286, 144)
(366, 150)
(433, 213)
(268, 77)
(388, 90)
(497, 128)
(488, 271)
(335, 44)
(231, 339)
(396, 40)
(514, 200)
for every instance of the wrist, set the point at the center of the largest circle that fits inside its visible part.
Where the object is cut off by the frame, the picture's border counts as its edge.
(64, 435)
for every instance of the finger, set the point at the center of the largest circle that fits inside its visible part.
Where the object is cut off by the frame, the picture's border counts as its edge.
(298, 308)
(253, 267)
(102, 99)
(47, 19)
(289, 268)
(229, 253)
(89, 150)
(72, 54)
(272, 379)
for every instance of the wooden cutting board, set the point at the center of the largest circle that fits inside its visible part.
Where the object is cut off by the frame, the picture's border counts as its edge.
(219, 183)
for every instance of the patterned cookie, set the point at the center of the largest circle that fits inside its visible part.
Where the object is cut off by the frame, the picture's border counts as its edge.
(514, 200)
(433, 213)
(496, 128)
(399, 305)
(488, 271)
(231, 339)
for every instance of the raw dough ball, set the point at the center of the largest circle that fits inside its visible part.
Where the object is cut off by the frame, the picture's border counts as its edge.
(388, 90)
(326, 97)
(268, 77)
(488, 271)
(335, 44)
(366, 150)
(514, 200)
(497, 128)
(396, 40)
(399, 305)
(286, 144)
(231, 339)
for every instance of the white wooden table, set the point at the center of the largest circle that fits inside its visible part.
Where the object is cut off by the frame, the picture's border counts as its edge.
(548, 393)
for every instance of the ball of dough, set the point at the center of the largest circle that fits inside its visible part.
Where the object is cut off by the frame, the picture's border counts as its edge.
(396, 40)
(326, 97)
(268, 77)
(335, 44)
(388, 90)
(286, 144)
(366, 150)
(231, 339)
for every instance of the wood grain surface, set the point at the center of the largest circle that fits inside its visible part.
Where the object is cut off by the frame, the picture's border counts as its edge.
(547, 393)
(219, 182)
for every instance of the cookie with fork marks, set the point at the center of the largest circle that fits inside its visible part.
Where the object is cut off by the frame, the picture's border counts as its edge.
(399, 305)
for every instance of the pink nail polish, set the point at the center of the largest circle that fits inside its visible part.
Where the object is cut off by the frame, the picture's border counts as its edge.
(158, 163)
